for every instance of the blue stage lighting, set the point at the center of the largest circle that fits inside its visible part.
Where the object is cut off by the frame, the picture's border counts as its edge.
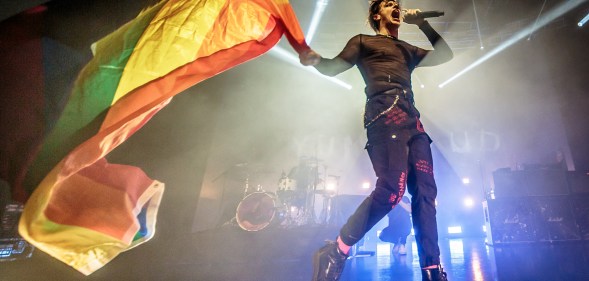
(454, 229)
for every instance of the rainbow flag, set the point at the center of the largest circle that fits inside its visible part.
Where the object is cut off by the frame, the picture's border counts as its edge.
(86, 211)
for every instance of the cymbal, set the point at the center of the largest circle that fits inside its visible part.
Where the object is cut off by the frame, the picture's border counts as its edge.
(244, 170)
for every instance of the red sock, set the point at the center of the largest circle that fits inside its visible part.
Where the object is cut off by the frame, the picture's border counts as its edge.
(343, 247)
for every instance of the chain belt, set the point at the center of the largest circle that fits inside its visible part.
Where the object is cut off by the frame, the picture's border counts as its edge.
(367, 124)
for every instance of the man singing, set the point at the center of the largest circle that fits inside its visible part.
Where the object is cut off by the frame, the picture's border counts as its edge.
(398, 146)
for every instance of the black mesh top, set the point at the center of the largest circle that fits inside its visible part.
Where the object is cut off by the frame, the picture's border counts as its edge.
(384, 62)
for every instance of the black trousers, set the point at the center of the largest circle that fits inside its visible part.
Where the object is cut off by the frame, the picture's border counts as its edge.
(399, 163)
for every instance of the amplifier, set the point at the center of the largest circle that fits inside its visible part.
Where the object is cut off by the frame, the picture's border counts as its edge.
(541, 182)
(509, 220)
(536, 219)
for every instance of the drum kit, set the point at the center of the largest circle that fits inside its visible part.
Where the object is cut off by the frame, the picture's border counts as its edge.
(291, 205)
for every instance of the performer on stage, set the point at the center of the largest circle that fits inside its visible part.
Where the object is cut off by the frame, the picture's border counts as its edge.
(398, 146)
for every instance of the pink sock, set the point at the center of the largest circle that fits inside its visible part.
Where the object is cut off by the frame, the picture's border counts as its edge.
(343, 247)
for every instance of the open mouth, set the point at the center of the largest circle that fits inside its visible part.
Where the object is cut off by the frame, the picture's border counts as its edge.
(396, 14)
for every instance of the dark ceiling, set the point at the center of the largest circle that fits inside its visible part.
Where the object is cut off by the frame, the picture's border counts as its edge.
(466, 24)
(497, 19)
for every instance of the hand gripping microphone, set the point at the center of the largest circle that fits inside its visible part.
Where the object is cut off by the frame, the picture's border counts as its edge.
(430, 14)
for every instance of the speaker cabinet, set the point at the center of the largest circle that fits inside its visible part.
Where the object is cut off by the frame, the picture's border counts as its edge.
(579, 182)
(555, 218)
(509, 220)
(536, 219)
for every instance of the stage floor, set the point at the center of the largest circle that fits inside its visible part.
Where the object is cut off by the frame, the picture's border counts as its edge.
(285, 255)
(471, 259)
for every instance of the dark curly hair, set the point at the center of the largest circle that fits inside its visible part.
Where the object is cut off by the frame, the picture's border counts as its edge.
(373, 9)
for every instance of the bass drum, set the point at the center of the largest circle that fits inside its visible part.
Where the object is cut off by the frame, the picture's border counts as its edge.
(258, 210)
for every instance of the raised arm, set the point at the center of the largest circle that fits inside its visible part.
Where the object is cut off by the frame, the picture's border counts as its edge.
(441, 52)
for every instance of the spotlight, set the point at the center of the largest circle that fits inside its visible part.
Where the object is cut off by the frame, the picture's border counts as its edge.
(465, 180)
(366, 185)
(583, 21)
(330, 186)
(454, 229)
(468, 202)
(484, 228)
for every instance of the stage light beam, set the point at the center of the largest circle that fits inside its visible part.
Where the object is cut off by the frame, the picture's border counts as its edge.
(476, 17)
(320, 6)
(548, 17)
(292, 59)
(536, 22)
(583, 21)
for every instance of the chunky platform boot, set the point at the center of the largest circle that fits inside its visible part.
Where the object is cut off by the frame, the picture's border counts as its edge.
(434, 274)
(328, 263)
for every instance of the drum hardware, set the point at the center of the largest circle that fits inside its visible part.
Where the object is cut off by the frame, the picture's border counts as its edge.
(246, 187)
(259, 210)
(326, 210)
(293, 203)
(237, 181)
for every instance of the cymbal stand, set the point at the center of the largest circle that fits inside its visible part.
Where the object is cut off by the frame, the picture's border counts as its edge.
(310, 216)
(247, 186)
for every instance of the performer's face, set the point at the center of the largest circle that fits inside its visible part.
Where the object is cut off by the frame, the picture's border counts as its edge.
(389, 13)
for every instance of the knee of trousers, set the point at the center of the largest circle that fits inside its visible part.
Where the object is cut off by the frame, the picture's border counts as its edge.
(385, 196)
(424, 190)
(391, 185)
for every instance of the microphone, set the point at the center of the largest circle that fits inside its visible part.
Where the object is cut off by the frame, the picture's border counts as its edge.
(430, 14)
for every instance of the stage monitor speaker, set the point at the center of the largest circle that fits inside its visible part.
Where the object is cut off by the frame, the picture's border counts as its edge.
(533, 219)
(540, 182)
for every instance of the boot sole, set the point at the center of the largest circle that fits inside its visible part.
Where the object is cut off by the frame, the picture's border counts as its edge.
(316, 265)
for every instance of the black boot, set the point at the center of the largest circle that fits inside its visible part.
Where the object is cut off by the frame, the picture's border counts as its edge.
(328, 263)
(434, 274)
